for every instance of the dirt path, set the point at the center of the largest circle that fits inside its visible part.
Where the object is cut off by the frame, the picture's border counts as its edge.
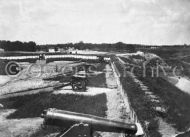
(117, 109)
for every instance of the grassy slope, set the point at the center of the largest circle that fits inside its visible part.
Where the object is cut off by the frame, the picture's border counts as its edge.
(175, 58)
(177, 101)
(141, 105)
(139, 102)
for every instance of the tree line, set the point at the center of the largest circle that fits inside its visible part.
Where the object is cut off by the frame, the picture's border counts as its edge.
(32, 46)
(18, 46)
(90, 46)
(119, 46)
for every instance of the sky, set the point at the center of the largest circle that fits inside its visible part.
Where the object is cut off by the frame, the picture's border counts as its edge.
(96, 21)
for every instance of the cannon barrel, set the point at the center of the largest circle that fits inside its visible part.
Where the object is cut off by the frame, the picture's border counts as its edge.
(63, 118)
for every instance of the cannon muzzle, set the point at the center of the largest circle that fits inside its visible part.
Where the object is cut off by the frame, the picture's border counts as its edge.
(63, 118)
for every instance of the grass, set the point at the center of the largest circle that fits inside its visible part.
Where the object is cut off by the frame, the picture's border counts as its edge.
(186, 70)
(173, 58)
(142, 106)
(30, 106)
(97, 81)
(178, 102)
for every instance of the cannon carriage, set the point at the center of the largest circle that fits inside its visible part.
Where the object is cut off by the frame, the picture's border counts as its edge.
(79, 82)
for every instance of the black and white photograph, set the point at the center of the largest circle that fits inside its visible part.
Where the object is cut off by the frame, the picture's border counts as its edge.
(94, 68)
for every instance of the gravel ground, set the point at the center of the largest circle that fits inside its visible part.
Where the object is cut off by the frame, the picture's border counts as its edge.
(4, 79)
(117, 109)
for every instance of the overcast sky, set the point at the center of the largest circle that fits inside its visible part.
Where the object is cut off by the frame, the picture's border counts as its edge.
(96, 21)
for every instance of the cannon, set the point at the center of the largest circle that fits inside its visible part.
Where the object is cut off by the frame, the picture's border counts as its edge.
(77, 82)
(84, 125)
